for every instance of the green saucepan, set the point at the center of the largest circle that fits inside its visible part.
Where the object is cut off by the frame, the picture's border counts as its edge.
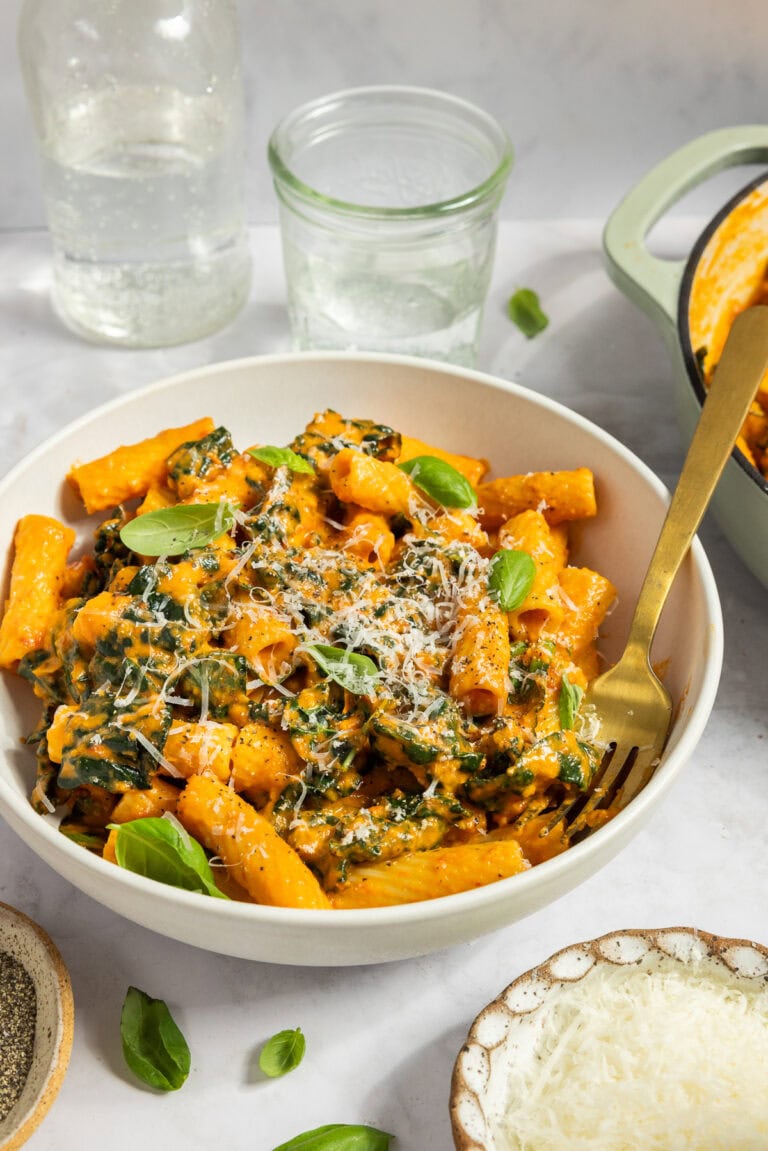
(694, 301)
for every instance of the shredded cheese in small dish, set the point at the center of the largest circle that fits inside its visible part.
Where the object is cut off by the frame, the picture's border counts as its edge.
(638, 1041)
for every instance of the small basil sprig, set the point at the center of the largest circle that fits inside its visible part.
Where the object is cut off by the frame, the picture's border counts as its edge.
(354, 672)
(282, 1053)
(339, 1137)
(161, 849)
(282, 458)
(441, 481)
(171, 531)
(510, 578)
(568, 702)
(153, 1047)
(524, 310)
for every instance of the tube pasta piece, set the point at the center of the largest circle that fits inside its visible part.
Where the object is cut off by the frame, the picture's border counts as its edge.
(293, 509)
(259, 860)
(57, 732)
(429, 874)
(131, 470)
(152, 801)
(264, 761)
(566, 495)
(328, 431)
(242, 483)
(586, 596)
(193, 748)
(373, 484)
(536, 847)
(98, 616)
(473, 469)
(480, 667)
(265, 640)
(368, 536)
(548, 547)
(38, 575)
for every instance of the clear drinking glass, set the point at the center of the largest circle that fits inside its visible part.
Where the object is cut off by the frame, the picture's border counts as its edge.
(139, 110)
(388, 204)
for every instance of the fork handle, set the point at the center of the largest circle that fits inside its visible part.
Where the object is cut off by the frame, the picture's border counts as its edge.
(741, 368)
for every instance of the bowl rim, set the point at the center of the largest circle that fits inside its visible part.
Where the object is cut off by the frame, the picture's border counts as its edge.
(692, 368)
(54, 1077)
(347, 921)
(716, 948)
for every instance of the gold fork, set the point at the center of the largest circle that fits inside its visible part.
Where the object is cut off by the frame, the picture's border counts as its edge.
(632, 708)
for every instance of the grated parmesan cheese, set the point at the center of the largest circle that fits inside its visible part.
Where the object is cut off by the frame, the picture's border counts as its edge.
(673, 1059)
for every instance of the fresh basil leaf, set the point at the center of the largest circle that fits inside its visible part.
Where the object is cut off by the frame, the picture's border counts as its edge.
(282, 1053)
(161, 850)
(568, 702)
(352, 671)
(510, 578)
(339, 1137)
(441, 481)
(282, 458)
(524, 310)
(171, 531)
(153, 1047)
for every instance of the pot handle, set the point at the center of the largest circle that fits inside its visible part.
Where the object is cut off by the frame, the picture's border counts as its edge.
(653, 283)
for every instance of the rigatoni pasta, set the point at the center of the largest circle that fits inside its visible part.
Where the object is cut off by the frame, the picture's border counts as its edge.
(327, 689)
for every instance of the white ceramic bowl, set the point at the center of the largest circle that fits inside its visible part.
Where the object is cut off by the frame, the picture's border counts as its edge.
(504, 1045)
(268, 400)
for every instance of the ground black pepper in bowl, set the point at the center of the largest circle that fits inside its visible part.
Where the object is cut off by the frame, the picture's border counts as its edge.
(18, 1013)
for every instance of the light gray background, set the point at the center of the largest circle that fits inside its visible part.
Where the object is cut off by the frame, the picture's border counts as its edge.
(592, 92)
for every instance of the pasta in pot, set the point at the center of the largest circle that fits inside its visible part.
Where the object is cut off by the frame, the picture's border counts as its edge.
(328, 691)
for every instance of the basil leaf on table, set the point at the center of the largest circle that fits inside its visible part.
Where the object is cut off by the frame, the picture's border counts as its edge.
(510, 577)
(161, 850)
(153, 1046)
(524, 310)
(282, 457)
(568, 702)
(441, 481)
(339, 1137)
(282, 1053)
(354, 672)
(172, 531)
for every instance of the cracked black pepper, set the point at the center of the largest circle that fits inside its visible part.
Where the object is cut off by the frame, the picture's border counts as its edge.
(18, 1012)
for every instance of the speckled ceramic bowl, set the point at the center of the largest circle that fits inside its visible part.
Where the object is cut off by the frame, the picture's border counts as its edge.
(267, 399)
(505, 1036)
(35, 951)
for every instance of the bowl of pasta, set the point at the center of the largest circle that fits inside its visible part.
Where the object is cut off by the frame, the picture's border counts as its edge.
(294, 651)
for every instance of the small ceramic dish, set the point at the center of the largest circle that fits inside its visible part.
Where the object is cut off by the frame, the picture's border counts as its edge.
(652, 1039)
(28, 944)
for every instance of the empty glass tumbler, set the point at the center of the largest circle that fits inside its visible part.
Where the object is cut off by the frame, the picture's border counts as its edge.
(388, 207)
(139, 109)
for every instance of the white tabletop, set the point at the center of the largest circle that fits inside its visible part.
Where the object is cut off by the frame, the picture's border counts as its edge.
(381, 1040)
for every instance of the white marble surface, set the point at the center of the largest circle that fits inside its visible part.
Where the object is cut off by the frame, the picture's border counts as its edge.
(381, 1040)
(592, 92)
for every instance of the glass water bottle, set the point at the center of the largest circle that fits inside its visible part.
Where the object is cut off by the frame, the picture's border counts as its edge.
(139, 109)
